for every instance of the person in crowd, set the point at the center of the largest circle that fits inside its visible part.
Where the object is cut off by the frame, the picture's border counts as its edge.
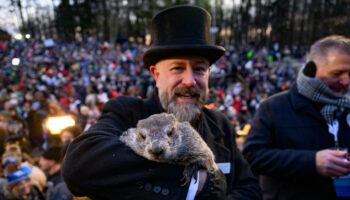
(13, 158)
(18, 185)
(98, 165)
(50, 163)
(299, 140)
(68, 134)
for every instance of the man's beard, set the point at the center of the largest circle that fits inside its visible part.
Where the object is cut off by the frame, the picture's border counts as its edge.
(183, 111)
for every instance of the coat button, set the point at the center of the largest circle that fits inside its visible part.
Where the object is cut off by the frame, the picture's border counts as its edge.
(148, 187)
(165, 191)
(157, 189)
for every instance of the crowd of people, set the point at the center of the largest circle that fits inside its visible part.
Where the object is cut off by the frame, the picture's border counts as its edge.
(41, 79)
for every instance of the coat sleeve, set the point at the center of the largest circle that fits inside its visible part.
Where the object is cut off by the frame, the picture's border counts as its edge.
(263, 154)
(94, 160)
(98, 165)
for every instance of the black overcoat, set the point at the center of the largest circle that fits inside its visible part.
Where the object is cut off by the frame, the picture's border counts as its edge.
(286, 133)
(98, 165)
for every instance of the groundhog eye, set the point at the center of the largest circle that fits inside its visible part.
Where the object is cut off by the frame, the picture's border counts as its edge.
(142, 136)
(171, 132)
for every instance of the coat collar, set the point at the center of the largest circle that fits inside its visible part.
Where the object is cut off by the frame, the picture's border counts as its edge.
(302, 104)
(153, 103)
(298, 101)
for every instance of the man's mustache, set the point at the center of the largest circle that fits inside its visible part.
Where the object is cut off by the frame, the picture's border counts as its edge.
(192, 91)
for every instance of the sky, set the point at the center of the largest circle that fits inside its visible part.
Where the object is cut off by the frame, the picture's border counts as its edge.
(10, 21)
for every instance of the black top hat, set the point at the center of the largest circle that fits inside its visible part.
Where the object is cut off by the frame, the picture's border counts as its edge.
(181, 30)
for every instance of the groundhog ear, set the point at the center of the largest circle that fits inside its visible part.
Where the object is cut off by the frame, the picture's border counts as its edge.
(142, 122)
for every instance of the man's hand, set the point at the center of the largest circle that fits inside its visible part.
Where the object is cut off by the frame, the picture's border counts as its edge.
(332, 163)
(212, 185)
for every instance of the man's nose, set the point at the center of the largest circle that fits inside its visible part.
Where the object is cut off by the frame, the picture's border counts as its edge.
(188, 78)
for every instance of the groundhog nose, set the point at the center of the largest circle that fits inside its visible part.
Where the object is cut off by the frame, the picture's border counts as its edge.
(157, 151)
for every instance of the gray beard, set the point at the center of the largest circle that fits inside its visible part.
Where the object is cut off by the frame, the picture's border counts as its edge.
(182, 111)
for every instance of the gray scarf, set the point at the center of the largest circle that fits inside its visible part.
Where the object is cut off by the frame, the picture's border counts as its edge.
(317, 91)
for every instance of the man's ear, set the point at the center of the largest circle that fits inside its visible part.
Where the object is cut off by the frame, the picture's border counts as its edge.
(310, 69)
(154, 72)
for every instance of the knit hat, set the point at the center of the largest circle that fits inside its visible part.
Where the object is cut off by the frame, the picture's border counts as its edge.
(53, 153)
(18, 175)
(10, 160)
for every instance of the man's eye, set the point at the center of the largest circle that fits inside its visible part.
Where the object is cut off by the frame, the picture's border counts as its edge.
(336, 74)
(177, 69)
(200, 70)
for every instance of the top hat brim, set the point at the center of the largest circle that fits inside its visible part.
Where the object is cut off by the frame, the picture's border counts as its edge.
(158, 53)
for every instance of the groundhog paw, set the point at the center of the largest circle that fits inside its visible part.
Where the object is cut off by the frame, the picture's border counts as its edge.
(189, 171)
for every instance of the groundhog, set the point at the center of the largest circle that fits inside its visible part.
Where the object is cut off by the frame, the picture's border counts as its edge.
(162, 138)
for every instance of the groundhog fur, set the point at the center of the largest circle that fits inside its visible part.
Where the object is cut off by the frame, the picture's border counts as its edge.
(162, 138)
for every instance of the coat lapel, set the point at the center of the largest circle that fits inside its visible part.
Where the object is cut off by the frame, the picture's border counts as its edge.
(304, 105)
(153, 104)
(214, 137)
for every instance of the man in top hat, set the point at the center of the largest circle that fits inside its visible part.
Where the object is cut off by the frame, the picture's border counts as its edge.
(100, 166)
